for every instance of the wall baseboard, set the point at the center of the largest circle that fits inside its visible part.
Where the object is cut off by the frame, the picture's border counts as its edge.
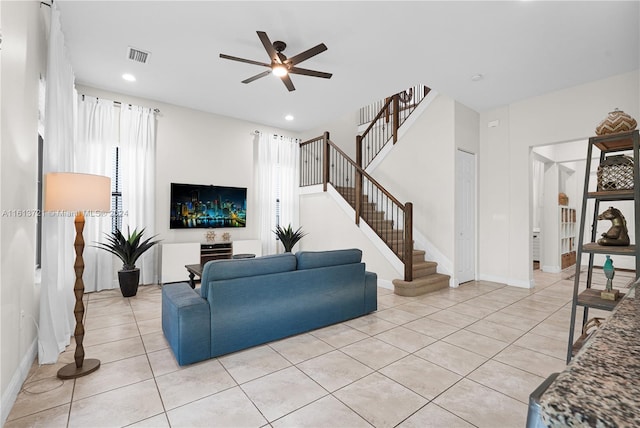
(20, 375)
(551, 269)
(507, 281)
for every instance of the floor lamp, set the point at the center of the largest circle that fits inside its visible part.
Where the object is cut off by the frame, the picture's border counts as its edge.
(76, 193)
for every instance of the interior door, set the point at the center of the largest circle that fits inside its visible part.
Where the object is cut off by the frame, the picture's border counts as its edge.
(465, 216)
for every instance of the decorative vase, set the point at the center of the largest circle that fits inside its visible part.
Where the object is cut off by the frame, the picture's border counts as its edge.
(616, 121)
(129, 280)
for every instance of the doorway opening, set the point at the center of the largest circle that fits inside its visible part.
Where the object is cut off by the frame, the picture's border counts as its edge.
(557, 180)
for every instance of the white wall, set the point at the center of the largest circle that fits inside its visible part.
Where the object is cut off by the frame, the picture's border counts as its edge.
(342, 132)
(566, 115)
(329, 227)
(550, 257)
(421, 169)
(199, 148)
(23, 60)
(467, 126)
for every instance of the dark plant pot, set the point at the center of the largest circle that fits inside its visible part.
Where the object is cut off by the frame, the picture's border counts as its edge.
(129, 280)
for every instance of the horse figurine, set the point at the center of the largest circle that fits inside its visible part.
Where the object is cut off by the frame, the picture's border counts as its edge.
(617, 234)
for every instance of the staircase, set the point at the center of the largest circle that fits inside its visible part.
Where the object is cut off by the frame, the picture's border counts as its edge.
(425, 278)
(322, 162)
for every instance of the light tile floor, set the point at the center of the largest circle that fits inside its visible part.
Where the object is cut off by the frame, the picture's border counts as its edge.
(460, 357)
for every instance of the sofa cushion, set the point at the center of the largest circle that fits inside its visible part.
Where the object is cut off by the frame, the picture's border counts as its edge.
(316, 259)
(239, 268)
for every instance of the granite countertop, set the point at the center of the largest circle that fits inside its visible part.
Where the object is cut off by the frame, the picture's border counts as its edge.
(601, 385)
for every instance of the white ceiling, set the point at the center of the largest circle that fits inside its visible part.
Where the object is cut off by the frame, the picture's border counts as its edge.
(522, 49)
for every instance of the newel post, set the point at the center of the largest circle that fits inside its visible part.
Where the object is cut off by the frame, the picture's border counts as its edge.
(396, 117)
(358, 178)
(408, 242)
(326, 163)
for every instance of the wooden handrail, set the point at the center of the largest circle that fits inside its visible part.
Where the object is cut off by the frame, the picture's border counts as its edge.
(396, 117)
(345, 169)
(395, 109)
(366, 175)
(321, 173)
(378, 116)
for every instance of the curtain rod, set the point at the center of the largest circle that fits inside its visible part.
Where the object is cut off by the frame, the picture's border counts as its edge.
(256, 132)
(118, 103)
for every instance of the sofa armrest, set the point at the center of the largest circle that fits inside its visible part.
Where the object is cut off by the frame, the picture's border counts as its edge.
(186, 323)
(370, 292)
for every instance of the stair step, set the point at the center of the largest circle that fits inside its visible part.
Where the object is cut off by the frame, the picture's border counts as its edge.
(424, 268)
(381, 224)
(372, 215)
(421, 286)
(418, 256)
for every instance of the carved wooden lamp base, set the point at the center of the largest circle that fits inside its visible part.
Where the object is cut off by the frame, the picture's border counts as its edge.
(81, 366)
(70, 371)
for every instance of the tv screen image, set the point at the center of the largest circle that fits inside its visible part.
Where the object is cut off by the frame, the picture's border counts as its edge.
(206, 206)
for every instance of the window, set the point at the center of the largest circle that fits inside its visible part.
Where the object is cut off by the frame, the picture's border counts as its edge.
(116, 192)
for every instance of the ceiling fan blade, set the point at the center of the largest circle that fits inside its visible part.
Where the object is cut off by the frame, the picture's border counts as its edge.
(304, 71)
(296, 59)
(248, 61)
(257, 76)
(288, 83)
(269, 47)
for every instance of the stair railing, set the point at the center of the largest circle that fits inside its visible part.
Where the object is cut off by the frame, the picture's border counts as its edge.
(383, 127)
(322, 162)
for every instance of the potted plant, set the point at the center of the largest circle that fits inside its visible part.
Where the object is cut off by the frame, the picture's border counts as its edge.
(288, 237)
(128, 249)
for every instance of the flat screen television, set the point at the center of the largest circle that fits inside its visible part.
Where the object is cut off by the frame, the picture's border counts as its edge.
(196, 206)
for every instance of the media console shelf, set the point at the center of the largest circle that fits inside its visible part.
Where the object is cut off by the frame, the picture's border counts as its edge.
(218, 251)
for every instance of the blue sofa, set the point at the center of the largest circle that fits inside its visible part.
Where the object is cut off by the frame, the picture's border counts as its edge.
(246, 302)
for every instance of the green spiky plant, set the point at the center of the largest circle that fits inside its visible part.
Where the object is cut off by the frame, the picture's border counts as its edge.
(288, 237)
(127, 248)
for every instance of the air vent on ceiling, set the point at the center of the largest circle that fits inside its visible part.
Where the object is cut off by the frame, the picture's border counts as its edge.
(138, 55)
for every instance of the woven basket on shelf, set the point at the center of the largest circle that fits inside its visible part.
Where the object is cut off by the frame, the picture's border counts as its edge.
(616, 121)
(616, 173)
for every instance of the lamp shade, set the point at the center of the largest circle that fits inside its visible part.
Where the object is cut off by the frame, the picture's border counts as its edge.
(70, 191)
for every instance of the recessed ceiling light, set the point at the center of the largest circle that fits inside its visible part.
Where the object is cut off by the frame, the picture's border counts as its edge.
(129, 77)
(476, 77)
(288, 117)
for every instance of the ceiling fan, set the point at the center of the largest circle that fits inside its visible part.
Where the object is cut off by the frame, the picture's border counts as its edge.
(280, 65)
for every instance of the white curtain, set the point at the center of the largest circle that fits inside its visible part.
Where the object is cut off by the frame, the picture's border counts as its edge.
(95, 141)
(137, 148)
(538, 192)
(277, 176)
(57, 321)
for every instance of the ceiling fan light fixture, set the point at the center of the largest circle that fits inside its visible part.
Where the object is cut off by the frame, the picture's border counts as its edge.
(279, 64)
(280, 70)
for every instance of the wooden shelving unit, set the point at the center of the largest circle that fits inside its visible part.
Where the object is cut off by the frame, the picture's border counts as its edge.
(590, 297)
(567, 232)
